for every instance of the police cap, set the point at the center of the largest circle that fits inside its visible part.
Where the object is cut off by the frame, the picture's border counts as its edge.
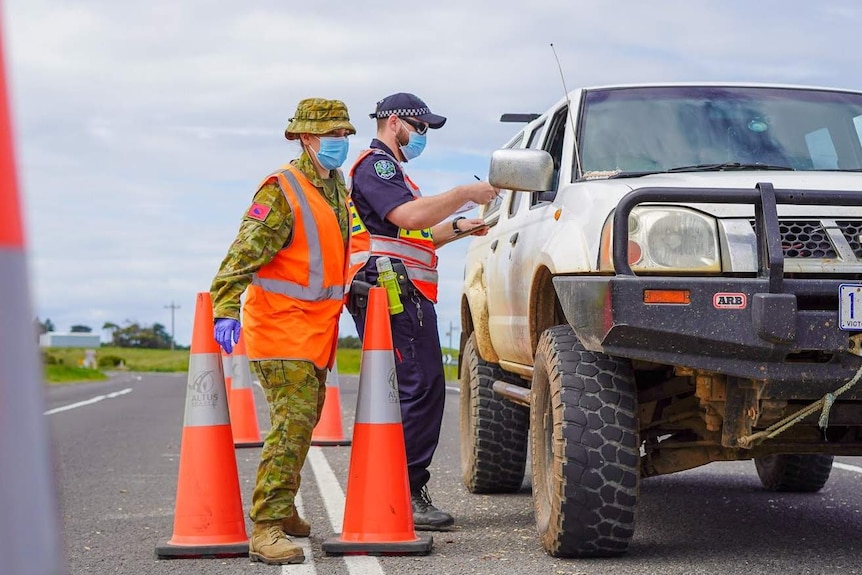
(406, 105)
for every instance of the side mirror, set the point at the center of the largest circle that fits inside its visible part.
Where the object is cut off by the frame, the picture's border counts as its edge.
(521, 169)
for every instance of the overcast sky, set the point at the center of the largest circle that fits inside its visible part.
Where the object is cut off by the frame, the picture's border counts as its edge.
(143, 128)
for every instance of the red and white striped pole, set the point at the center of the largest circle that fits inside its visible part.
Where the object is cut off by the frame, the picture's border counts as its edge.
(29, 528)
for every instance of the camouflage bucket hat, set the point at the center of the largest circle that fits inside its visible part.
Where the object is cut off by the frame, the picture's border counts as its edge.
(318, 116)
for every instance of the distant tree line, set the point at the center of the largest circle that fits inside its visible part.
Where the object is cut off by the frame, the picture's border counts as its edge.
(48, 325)
(349, 342)
(134, 334)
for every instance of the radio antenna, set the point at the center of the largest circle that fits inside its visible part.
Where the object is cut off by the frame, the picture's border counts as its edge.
(570, 112)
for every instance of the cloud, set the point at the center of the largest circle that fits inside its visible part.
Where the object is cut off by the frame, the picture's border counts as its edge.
(143, 128)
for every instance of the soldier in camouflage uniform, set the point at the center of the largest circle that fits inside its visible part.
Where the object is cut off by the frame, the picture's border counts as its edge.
(294, 388)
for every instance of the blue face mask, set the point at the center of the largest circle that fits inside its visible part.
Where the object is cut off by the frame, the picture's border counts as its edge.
(333, 152)
(414, 146)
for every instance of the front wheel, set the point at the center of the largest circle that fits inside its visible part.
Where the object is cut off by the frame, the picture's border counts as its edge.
(584, 445)
(794, 473)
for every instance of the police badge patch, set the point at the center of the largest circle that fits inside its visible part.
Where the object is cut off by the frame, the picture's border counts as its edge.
(385, 169)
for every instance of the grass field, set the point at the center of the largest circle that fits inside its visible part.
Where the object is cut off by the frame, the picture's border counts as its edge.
(70, 373)
(63, 365)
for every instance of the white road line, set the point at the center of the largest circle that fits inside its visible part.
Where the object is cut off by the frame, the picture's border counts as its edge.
(91, 401)
(308, 567)
(846, 467)
(333, 500)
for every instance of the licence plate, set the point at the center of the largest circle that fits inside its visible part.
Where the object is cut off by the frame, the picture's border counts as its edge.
(850, 307)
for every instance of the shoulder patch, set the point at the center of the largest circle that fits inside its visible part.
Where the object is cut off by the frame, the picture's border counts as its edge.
(258, 211)
(385, 169)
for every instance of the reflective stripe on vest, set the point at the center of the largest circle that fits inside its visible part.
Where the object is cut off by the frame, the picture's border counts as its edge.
(357, 258)
(401, 249)
(415, 258)
(314, 291)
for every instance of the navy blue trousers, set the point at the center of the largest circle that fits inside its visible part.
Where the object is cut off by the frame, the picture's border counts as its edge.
(421, 382)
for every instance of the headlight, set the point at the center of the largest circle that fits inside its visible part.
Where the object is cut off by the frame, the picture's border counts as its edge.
(667, 239)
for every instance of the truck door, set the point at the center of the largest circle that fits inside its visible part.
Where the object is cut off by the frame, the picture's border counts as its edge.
(526, 240)
(500, 310)
(508, 284)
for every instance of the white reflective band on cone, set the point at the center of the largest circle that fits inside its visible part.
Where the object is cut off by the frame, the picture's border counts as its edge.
(206, 401)
(29, 527)
(378, 400)
(241, 372)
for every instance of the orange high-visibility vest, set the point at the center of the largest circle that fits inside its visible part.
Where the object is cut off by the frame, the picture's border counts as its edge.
(293, 303)
(415, 248)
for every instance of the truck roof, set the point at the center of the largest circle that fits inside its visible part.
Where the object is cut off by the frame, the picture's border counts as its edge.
(574, 94)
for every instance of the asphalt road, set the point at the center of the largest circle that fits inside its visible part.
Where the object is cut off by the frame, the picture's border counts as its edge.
(117, 447)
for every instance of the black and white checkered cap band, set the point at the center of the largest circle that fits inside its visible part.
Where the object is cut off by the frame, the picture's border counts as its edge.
(403, 112)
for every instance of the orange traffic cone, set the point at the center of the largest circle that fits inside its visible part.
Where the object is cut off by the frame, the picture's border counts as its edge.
(328, 430)
(227, 368)
(29, 526)
(208, 517)
(243, 414)
(378, 515)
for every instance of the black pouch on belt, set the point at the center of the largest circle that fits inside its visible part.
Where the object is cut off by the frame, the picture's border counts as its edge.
(358, 297)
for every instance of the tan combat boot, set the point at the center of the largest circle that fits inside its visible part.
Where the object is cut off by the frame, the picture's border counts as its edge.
(270, 545)
(296, 526)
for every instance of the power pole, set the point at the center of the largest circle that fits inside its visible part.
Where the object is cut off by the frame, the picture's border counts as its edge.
(449, 333)
(173, 307)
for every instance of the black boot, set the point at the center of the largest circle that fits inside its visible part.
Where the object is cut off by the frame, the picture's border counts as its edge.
(426, 517)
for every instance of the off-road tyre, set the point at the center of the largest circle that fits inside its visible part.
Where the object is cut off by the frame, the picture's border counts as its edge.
(494, 430)
(585, 451)
(794, 473)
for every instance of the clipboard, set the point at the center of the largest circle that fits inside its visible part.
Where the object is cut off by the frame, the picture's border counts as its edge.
(463, 234)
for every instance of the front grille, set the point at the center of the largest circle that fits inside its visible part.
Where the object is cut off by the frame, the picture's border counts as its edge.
(806, 239)
(852, 230)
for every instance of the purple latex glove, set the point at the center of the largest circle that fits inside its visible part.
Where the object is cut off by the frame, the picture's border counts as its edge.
(226, 332)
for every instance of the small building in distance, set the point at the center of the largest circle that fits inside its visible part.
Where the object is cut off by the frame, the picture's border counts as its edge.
(57, 339)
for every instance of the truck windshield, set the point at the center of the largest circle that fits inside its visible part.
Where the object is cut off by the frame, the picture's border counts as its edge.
(635, 131)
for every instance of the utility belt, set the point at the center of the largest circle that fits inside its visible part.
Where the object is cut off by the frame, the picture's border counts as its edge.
(358, 297)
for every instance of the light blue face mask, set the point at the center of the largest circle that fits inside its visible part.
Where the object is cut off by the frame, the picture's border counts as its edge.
(333, 152)
(414, 147)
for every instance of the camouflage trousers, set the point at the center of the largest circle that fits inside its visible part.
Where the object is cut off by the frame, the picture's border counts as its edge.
(295, 391)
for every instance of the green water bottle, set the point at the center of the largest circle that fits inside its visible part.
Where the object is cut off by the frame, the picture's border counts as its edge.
(387, 278)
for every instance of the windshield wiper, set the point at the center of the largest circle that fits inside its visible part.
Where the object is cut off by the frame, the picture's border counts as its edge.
(621, 175)
(727, 166)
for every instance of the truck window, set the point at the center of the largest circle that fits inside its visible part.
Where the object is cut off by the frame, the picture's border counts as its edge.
(534, 142)
(554, 146)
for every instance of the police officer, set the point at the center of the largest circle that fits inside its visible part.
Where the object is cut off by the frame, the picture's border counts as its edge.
(290, 256)
(390, 216)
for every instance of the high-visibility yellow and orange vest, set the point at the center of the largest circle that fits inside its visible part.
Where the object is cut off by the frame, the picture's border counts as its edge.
(293, 303)
(415, 248)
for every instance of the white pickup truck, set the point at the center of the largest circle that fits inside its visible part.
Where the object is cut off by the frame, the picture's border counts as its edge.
(672, 277)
